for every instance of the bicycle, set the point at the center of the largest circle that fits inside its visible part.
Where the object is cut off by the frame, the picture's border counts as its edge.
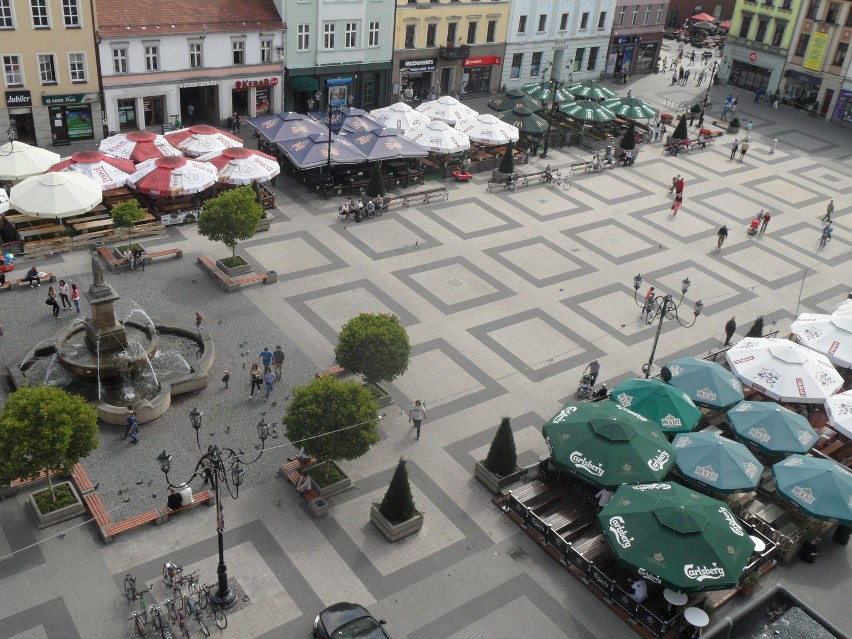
(172, 573)
(132, 595)
(138, 624)
(194, 610)
(559, 181)
(175, 608)
(177, 590)
(215, 611)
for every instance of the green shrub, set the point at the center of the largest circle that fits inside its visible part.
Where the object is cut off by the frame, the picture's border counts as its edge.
(398, 504)
(502, 457)
(756, 329)
(64, 497)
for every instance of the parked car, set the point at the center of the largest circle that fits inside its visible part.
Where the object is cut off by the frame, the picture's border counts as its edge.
(347, 620)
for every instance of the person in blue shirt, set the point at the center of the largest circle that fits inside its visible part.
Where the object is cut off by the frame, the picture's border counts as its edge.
(266, 357)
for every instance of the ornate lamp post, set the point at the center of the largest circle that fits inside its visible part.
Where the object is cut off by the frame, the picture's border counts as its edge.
(221, 466)
(331, 114)
(555, 85)
(713, 68)
(663, 307)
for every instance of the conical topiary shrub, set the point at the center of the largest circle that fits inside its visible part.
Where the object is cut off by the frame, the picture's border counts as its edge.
(681, 132)
(376, 186)
(507, 164)
(502, 457)
(398, 504)
(628, 140)
(756, 329)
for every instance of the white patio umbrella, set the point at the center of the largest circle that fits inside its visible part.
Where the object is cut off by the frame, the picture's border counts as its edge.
(4, 201)
(827, 334)
(439, 137)
(784, 370)
(843, 309)
(242, 166)
(19, 160)
(56, 195)
(487, 129)
(446, 109)
(839, 410)
(400, 116)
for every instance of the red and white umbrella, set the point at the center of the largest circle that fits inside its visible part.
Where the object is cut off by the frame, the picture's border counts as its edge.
(201, 139)
(446, 109)
(242, 166)
(839, 410)
(109, 172)
(784, 370)
(703, 17)
(400, 116)
(138, 146)
(172, 176)
(827, 334)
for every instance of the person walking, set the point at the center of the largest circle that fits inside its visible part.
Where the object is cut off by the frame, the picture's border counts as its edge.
(594, 369)
(255, 378)
(265, 357)
(417, 414)
(764, 222)
(675, 180)
(680, 74)
(190, 111)
(662, 131)
(647, 304)
(743, 149)
(657, 132)
(236, 123)
(757, 95)
(269, 379)
(278, 361)
(226, 378)
(730, 329)
(828, 211)
(198, 319)
(127, 415)
(63, 295)
(677, 202)
(826, 235)
(701, 77)
(51, 301)
(692, 58)
(674, 76)
(734, 148)
(134, 428)
(679, 185)
(748, 128)
(75, 297)
(724, 116)
(721, 236)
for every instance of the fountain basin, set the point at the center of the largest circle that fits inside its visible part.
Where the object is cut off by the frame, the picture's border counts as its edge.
(74, 350)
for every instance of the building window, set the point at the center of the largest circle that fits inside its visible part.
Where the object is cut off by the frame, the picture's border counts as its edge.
(584, 20)
(451, 34)
(373, 35)
(431, 34)
(833, 11)
(563, 22)
(593, 58)
(535, 65)
(152, 57)
(803, 44)
(471, 32)
(602, 20)
(778, 36)
(647, 13)
(38, 8)
(409, 36)
(542, 22)
(266, 50)
(328, 36)
(768, 3)
(840, 54)
(47, 68)
(12, 70)
(195, 55)
(119, 60)
(787, 5)
(350, 40)
(522, 24)
(635, 15)
(515, 70)
(745, 27)
(762, 26)
(490, 34)
(238, 50)
(7, 20)
(813, 9)
(621, 16)
(578, 58)
(303, 37)
(77, 67)
(71, 14)
(660, 14)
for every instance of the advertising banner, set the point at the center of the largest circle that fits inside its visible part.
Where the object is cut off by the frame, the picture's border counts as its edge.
(816, 51)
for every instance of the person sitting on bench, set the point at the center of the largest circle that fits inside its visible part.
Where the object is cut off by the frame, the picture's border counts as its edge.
(32, 274)
(595, 164)
(609, 159)
(548, 174)
(701, 141)
(628, 158)
(510, 180)
(304, 483)
(370, 209)
(185, 493)
(175, 499)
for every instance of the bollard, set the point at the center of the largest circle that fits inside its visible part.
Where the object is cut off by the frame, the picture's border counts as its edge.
(772, 148)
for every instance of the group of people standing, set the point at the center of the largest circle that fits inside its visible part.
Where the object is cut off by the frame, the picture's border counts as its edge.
(62, 293)
(273, 366)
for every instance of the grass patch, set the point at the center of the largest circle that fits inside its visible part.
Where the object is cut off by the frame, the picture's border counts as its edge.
(64, 497)
(233, 262)
(132, 247)
(326, 475)
(375, 391)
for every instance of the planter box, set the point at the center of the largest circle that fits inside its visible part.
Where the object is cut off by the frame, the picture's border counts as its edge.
(235, 271)
(330, 489)
(319, 507)
(395, 532)
(384, 398)
(495, 483)
(264, 223)
(72, 511)
(733, 129)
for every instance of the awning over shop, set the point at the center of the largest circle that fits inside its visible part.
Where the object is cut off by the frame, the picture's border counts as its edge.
(303, 83)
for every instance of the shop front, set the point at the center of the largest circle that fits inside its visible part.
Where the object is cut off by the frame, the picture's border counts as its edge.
(801, 89)
(843, 108)
(622, 51)
(203, 95)
(19, 104)
(648, 53)
(750, 70)
(416, 78)
(479, 73)
(253, 96)
(72, 117)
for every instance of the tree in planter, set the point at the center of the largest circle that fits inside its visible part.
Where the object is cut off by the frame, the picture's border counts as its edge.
(44, 428)
(502, 457)
(398, 504)
(231, 217)
(376, 186)
(734, 123)
(125, 214)
(374, 345)
(681, 132)
(756, 329)
(507, 164)
(628, 140)
(332, 419)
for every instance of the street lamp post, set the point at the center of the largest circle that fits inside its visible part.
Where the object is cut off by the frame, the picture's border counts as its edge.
(330, 114)
(713, 68)
(215, 466)
(555, 85)
(662, 307)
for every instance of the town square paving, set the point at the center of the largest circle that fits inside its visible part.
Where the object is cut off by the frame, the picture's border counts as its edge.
(506, 297)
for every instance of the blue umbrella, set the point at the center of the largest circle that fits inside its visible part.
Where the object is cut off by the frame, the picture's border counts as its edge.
(720, 464)
(771, 428)
(313, 151)
(706, 383)
(385, 144)
(285, 126)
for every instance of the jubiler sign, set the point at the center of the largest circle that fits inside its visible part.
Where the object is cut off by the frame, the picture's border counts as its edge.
(19, 99)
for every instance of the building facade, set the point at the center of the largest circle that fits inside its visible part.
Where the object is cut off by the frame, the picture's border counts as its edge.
(50, 71)
(340, 48)
(568, 39)
(444, 47)
(819, 60)
(153, 67)
(679, 11)
(637, 37)
(758, 43)
(843, 107)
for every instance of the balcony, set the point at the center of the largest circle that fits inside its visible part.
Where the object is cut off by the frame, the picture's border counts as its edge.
(757, 46)
(454, 53)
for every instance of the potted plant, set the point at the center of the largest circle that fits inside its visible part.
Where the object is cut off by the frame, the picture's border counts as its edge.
(376, 186)
(376, 346)
(666, 118)
(229, 218)
(396, 516)
(125, 214)
(734, 125)
(749, 583)
(681, 132)
(500, 468)
(46, 429)
(628, 140)
(756, 329)
(507, 164)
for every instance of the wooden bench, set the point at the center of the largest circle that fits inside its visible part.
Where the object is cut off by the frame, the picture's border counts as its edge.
(97, 509)
(333, 371)
(112, 261)
(579, 166)
(47, 277)
(266, 278)
(426, 196)
(109, 531)
(201, 497)
(81, 480)
(708, 141)
(12, 488)
(177, 252)
(230, 284)
(293, 477)
(521, 180)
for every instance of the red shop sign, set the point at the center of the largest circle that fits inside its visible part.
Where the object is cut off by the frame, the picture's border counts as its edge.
(265, 82)
(483, 61)
(752, 57)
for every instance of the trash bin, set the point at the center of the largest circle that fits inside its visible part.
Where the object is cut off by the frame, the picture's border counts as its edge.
(841, 535)
(809, 551)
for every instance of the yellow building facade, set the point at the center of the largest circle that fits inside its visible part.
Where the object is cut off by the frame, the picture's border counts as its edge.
(50, 72)
(449, 47)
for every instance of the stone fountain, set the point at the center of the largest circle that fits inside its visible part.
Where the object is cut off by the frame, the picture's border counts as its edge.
(113, 363)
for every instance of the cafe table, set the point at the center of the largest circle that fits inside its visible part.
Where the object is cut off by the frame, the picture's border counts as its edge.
(759, 546)
(697, 618)
(38, 231)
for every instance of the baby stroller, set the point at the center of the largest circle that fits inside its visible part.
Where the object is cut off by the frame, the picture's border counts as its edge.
(752, 228)
(584, 390)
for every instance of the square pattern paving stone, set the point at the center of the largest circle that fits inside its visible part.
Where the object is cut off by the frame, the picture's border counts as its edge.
(528, 341)
(833, 181)
(807, 142)
(386, 236)
(543, 206)
(453, 284)
(758, 261)
(787, 192)
(691, 224)
(294, 255)
(613, 240)
(803, 238)
(539, 261)
(611, 188)
(471, 217)
(730, 204)
(526, 429)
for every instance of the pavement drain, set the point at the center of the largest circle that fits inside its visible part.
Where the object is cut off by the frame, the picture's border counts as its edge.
(453, 283)
(518, 553)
